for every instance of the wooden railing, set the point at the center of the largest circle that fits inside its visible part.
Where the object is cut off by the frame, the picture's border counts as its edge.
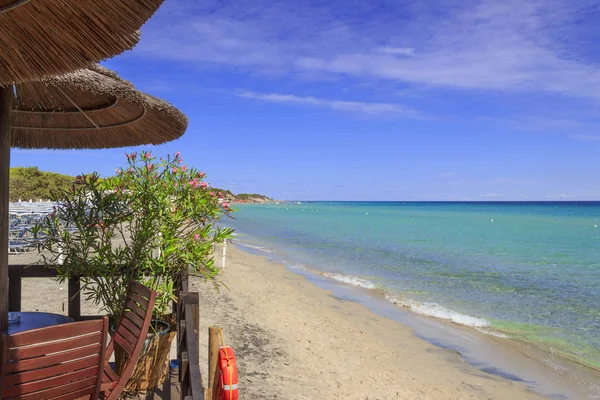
(17, 272)
(188, 344)
(187, 317)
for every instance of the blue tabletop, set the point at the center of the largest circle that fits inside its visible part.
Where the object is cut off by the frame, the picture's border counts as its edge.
(34, 320)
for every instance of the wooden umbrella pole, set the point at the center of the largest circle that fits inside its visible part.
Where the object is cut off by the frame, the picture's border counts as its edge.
(6, 97)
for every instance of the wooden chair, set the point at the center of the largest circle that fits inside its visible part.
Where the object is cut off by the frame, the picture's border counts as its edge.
(130, 335)
(60, 362)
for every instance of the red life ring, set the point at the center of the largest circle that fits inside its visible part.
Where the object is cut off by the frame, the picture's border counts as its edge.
(228, 375)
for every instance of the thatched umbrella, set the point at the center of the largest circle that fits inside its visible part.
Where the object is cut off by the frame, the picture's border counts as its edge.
(49, 37)
(86, 109)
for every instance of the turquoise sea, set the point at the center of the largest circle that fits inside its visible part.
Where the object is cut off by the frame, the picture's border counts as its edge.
(529, 271)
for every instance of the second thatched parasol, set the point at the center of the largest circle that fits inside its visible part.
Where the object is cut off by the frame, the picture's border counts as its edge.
(91, 108)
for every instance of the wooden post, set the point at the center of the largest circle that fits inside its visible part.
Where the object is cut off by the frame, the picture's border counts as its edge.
(214, 343)
(223, 256)
(14, 288)
(6, 96)
(74, 299)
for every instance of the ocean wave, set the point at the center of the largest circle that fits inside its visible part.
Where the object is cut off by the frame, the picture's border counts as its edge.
(435, 310)
(255, 247)
(432, 310)
(351, 280)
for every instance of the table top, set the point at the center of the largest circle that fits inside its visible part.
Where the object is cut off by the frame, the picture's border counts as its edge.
(34, 320)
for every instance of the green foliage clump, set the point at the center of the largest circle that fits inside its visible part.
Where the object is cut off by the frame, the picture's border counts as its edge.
(251, 196)
(31, 183)
(155, 222)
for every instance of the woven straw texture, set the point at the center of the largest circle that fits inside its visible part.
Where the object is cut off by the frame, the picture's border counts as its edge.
(90, 109)
(49, 37)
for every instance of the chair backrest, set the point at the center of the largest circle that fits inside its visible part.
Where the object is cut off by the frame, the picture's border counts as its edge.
(132, 330)
(57, 362)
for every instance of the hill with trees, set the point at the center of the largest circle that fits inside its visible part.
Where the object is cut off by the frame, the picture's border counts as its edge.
(30, 183)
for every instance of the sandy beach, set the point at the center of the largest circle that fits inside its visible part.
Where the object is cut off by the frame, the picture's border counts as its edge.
(294, 340)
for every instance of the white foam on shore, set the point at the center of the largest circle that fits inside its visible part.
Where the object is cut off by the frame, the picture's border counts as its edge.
(432, 310)
(351, 280)
(493, 333)
(435, 310)
(259, 248)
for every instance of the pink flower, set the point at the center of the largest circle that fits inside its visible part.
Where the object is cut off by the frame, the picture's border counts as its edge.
(212, 194)
(150, 167)
(184, 168)
(174, 170)
(225, 205)
(131, 156)
(177, 155)
(193, 182)
(196, 237)
(175, 184)
(220, 194)
(147, 155)
(203, 185)
(201, 174)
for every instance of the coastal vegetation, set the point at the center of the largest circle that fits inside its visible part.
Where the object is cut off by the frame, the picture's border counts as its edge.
(31, 183)
(151, 223)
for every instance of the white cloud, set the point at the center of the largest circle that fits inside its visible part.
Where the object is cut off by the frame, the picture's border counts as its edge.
(399, 51)
(338, 105)
(561, 196)
(512, 45)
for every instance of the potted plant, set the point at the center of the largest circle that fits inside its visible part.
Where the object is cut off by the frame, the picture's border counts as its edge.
(154, 222)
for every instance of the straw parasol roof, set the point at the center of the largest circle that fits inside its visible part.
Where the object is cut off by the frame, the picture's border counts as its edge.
(48, 37)
(90, 108)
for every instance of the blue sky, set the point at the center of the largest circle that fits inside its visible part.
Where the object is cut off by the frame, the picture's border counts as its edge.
(374, 100)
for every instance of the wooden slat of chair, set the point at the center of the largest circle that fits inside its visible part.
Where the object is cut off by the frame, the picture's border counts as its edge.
(52, 359)
(130, 335)
(54, 347)
(123, 343)
(139, 300)
(131, 316)
(49, 372)
(137, 310)
(57, 362)
(130, 326)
